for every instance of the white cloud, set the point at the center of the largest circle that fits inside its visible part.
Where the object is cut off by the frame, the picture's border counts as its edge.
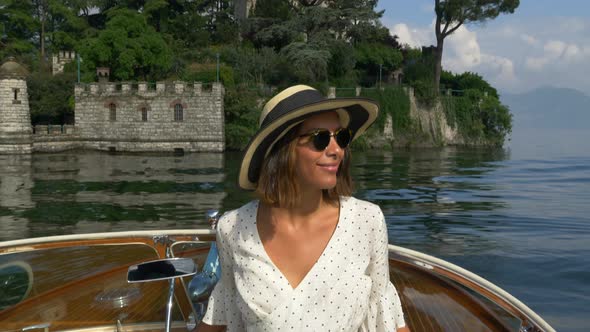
(555, 48)
(572, 53)
(515, 54)
(502, 67)
(536, 64)
(414, 37)
(530, 40)
(558, 53)
(462, 51)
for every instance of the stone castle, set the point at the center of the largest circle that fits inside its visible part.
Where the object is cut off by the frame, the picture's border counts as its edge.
(131, 117)
(60, 59)
(15, 118)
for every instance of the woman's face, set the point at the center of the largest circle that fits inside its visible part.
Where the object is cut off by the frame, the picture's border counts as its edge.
(317, 169)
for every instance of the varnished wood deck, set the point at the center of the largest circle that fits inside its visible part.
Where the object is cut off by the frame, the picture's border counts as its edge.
(85, 287)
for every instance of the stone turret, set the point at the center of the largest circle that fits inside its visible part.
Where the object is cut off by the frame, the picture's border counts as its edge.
(15, 117)
(60, 59)
(103, 74)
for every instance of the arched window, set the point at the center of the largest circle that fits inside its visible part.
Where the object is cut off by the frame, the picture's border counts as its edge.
(178, 116)
(112, 112)
(144, 112)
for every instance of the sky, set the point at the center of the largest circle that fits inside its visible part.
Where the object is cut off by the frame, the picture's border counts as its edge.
(544, 43)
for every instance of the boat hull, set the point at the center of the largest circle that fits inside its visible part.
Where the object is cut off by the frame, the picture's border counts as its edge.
(79, 283)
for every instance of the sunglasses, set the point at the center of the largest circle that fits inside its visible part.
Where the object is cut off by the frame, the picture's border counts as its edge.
(321, 138)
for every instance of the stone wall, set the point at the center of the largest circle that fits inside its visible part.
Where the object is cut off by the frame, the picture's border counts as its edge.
(432, 122)
(15, 119)
(201, 128)
(60, 59)
(429, 128)
(56, 138)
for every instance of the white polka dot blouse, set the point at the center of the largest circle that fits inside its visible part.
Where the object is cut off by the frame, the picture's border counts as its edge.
(347, 289)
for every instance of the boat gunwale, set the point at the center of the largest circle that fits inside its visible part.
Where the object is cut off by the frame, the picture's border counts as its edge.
(474, 282)
(423, 261)
(13, 246)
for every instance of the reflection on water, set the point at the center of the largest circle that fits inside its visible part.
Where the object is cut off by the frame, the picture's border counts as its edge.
(520, 221)
(438, 198)
(16, 181)
(79, 192)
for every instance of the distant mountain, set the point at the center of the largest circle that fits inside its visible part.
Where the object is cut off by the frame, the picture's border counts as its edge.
(549, 107)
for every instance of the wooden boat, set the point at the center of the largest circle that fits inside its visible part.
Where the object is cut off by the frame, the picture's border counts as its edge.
(78, 283)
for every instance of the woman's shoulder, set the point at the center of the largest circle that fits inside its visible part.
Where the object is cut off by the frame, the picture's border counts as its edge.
(360, 206)
(232, 219)
(367, 218)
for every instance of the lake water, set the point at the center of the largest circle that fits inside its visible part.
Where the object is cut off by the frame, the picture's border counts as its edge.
(518, 216)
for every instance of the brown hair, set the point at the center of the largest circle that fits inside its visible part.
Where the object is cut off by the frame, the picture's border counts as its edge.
(276, 184)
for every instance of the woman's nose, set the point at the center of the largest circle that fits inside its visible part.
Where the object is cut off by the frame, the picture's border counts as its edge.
(333, 147)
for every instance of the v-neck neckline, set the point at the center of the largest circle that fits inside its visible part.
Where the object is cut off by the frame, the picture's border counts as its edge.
(326, 249)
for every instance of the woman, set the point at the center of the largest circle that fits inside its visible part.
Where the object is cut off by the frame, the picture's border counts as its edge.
(306, 256)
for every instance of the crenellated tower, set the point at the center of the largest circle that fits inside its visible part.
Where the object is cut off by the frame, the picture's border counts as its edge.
(60, 59)
(15, 117)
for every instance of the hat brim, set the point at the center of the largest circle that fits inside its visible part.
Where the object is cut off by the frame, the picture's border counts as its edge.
(358, 114)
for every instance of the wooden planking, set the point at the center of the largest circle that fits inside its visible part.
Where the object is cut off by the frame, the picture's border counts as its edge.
(434, 304)
(430, 303)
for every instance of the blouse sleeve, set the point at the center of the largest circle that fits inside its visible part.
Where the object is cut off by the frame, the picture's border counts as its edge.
(385, 309)
(221, 305)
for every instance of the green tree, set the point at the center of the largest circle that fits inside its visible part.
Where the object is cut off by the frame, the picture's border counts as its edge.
(17, 29)
(311, 64)
(64, 26)
(452, 14)
(342, 62)
(41, 12)
(356, 19)
(51, 99)
(129, 46)
(496, 119)
(466, 81)
(219, 20)
(241, 117)
(373, 58)
(258, 66)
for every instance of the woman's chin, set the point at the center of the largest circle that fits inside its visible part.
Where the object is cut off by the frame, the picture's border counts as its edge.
(329, 185)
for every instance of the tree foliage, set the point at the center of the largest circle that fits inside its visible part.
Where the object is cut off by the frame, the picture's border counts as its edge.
(129, 46)
(50, 98)
(467, 81)
(452, 14)
(241, 117)
(314, 42)
(479, 116)
(17, 28)
(375, 59)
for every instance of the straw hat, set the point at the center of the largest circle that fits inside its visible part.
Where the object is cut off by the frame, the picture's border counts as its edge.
(291, 107)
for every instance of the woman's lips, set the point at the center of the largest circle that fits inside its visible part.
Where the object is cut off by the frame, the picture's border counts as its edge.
(332, 168)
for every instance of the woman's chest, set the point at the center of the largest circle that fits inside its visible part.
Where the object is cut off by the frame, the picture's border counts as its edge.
(336, 285)
(295, 253)
(259, 268)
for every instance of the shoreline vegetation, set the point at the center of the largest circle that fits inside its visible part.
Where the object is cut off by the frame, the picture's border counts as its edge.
(338, 43)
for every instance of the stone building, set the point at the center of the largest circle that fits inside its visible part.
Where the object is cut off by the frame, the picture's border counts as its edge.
(15, 117)
(242, 8)
(60, 60)
(134, 117)
(167, 116)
